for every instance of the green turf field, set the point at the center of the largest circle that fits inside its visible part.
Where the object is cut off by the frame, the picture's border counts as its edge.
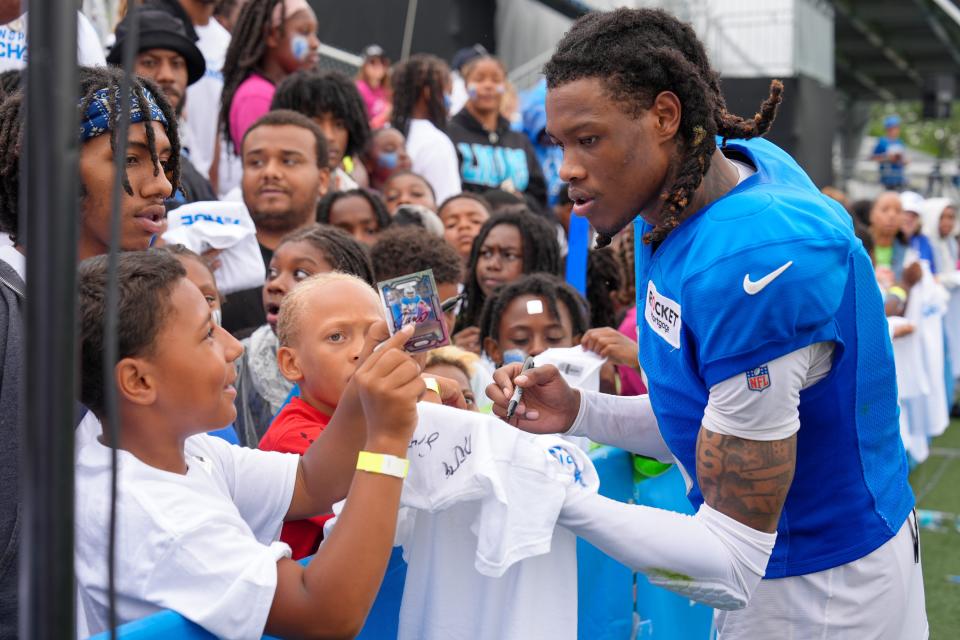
(937, 485)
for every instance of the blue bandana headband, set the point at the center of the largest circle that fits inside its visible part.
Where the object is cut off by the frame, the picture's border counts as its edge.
(97, 118)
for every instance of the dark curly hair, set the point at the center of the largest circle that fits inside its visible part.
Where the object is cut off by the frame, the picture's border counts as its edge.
(92, 80)
(338, 247)
(409, 79)
(376, 203)
(145, 283)
(314, 93)
(541, 253)
(549, 287)
(603, 282)
(248, 45)
(404, 250)
(639, 53)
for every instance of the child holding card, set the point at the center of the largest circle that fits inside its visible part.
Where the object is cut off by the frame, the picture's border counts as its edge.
(200, 516)
(321, 328)
(261, 390)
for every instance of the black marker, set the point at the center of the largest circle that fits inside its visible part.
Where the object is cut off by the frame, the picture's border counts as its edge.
(450, 303)
(518, 391)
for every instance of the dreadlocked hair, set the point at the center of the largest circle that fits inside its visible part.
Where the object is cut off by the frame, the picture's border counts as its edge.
(338, 248)
(92, 80)
(375, 201)
(403, 250)
(624, 254)
(314, 93)
(248, 44)
(603, 282)
(541, 254)
(639, 53)
(409, 79)
(11, 142)
(543, 285)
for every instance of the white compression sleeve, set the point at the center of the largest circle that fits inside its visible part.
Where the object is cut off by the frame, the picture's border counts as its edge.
(626, 422)
(708, 557)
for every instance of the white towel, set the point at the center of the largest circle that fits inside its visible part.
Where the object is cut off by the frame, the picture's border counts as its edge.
(226, 226)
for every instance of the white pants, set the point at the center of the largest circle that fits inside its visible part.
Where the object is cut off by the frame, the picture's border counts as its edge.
(878, 597)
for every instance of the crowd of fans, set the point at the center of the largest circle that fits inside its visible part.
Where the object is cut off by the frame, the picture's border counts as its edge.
(251, 170)
(913, 242)
(406, 167)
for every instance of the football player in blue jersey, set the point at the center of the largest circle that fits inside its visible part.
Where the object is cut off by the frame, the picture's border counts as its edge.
(762, 333)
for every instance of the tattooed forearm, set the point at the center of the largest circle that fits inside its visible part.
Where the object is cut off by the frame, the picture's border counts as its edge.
(747, 480)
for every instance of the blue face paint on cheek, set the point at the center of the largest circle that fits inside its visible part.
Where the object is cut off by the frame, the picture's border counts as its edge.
(447, 102)
(388, 160)
(300, 47)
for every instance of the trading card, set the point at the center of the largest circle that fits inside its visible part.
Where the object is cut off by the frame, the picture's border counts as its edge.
(414, 298)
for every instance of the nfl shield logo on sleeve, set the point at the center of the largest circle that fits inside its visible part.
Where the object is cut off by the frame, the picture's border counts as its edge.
(758, 379)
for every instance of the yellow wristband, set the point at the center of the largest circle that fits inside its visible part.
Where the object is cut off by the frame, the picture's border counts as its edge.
(382, 463)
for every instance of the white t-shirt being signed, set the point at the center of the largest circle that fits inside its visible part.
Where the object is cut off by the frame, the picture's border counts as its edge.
(484, 498)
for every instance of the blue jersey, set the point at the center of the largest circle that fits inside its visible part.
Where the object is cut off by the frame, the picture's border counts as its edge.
(705, 316)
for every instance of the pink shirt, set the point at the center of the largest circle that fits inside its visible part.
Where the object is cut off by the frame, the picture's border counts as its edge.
(375, 101)
(631, 383)
(250, 102)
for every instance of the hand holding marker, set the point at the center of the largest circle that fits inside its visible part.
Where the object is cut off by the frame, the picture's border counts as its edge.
(518, 391)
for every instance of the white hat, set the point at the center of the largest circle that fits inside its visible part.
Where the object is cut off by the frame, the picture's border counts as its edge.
(911, 201)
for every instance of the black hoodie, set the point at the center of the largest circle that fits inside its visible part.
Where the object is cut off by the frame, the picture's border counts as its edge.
(489, 158)
(12, 343)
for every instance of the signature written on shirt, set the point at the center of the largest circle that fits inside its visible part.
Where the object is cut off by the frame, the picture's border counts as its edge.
(460, 455)
(424, 444)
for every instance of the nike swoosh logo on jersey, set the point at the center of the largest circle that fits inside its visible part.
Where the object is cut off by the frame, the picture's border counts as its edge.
(753, 288)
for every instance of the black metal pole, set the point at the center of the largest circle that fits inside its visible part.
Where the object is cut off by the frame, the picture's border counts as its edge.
(50, 211)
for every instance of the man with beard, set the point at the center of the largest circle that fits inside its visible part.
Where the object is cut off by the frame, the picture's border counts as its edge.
(285, 174)
(167, 55)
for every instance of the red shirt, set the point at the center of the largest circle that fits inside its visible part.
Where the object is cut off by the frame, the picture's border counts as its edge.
(293, 430)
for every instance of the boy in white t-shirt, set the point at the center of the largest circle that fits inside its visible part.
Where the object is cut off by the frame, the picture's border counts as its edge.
(198, 518)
